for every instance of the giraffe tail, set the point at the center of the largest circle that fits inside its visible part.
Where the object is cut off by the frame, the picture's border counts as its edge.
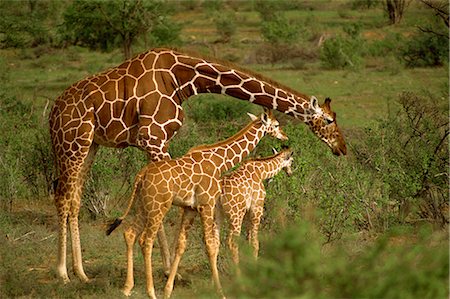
(116, 222)
(113, 225)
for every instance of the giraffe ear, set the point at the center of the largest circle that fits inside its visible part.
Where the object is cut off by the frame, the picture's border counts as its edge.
(267, 110)
(265, 117)
(314, 103)
(252, 116)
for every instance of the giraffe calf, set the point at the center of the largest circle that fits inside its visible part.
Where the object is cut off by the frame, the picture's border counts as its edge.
(193, 183)
(243, 191)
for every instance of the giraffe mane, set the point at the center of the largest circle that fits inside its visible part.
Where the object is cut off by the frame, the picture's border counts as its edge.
(226, 141)
(263, 159)
(236, 67)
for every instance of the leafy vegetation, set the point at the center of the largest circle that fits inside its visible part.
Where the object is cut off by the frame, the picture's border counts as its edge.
(94, 23)
(293, 265)
(344, 52)
(330, 231)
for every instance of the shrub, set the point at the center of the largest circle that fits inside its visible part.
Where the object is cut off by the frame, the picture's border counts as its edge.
(293, 264)
(165, 32)
(225, 25)
(425, 49)
(280, 30)
(211, 108)
(409, 152)
(344, 51)
(342, 195)
(387, 46)
(94, 24)
(111, 178)
(281, 36)
(28, 24)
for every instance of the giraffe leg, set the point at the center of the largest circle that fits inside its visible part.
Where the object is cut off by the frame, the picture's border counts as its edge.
(234, 210)
(64, 196)
(73, 215)
(187, 219)
(156, 151)
(233, 235)
(146, 242)
(164, 248)
(76, 247)
(255, 218)
(130, 238)
(212, 242)
(61, 267)
(156, 209)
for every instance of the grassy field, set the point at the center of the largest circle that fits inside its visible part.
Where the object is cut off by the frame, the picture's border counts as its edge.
(336, 229)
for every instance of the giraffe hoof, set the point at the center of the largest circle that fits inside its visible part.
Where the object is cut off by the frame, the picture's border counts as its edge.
(83, 277)
(126, 292)
(66, 280)
(178, 276)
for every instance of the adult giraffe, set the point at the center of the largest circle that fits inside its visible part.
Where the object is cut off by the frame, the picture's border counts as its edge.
(138, 104)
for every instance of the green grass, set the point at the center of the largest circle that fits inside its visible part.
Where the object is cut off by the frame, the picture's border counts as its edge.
(28, 227)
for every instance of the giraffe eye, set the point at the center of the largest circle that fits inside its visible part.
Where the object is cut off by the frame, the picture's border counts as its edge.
(328, 121)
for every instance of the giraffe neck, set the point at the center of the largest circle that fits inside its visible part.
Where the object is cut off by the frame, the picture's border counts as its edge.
(225, 154)
(195, 75)
(266, 168)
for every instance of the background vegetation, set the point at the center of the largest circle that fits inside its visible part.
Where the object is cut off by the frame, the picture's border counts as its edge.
(373, 224)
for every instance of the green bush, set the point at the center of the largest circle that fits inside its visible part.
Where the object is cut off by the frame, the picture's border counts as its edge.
(165, 32)
(111, 179)
(389, 45)
(28, 23)
(225, 22)
(293, 264)
(209, 108)
(344, 51)
(280, 30)
(94, 24)
(425, 49)
(409, 152)
(281, 36)
(342, 195)
(27, 167)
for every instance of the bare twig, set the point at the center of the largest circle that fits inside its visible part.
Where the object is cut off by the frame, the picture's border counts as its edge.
(444, 15)
(24, 236)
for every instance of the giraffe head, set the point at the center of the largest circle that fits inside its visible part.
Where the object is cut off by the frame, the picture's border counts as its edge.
(323, 124)
(271, 124)
(286, 163)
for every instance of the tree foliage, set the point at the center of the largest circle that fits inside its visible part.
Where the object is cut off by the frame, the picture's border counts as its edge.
(27, 23)
(106, 24)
